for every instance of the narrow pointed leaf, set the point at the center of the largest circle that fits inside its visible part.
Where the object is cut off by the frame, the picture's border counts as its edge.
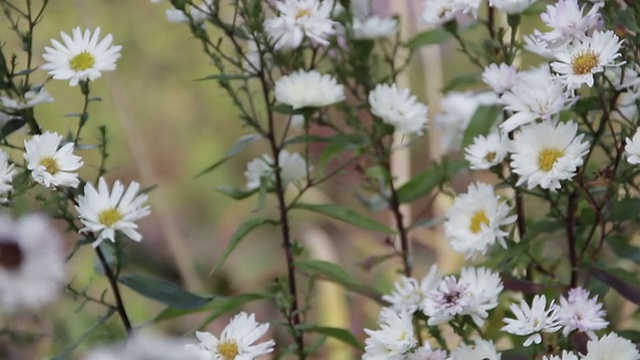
(347, 215)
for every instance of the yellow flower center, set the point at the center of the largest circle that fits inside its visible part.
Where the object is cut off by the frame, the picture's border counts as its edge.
(548, 157)
(584, 62)
(82, 61)
(491, 155)
(50, 164)
(302, 13)
(228, 349)
(109, 217)
(477, 220)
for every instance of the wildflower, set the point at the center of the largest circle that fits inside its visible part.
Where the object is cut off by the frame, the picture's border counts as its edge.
(293, 168)
(237, 341)
(199, 14)
(51, 166)
(532, 320)
(579, 312)
(299, 19)
(566, 355)
(81, 58)
(568, 23)
(374, 27)
(394, 339)
(31, 98)
(397, 107)
(143, 346)
(103, 212)
(611, 346)
(7, 172)
(474, 221)
(500, 77)
(546, 153)
(511, 7)
(303, 89)
(425, 352)
(448, 299)
(408, 295)
(484, 288)
(486, 151)
(482, 350)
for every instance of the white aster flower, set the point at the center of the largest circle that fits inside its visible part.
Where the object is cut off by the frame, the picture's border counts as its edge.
(374, 28)
(143, 346)
(511, 7)
(81, 58)
(7, 172)
(534, 43)
(394, 339)
(484, 288)
(425, 352)
(482, 350)
(438, 12)
(199, 13)
(632, 149)
(31, 263)
(31, 98)
(500, 77)
(237, 341)
(546, 153)
(408, 295)
(536, 95)
(51, 166)
(486, 151)
(577, 63)
(566, 355)
(103, 212)
(474, 221)
(611, 346)
(398, 108)
(624, 77)
(450, 298)
(531, 321)
(293, 168)
(579, 312)
(568, 23)
(457, 110)
(299, 19)
(302, 89)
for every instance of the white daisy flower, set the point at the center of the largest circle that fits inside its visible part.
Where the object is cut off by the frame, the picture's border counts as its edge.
(474, 221)
(103, 212)
(450, 298)
(293, 168)
(394, 339)
(31, 263)
(566, 355)
(81, 58)
(500, 77)
(143, 346)
(577, 63)
(611, 346)
(482, 350)
(408, 295)
(51, 166)
(299, 19)
(31, 98)
(536, 95)
(199, 13)
(568, 23)
(425, 352)
(579, 312)
(511, 7)
(486, 151)
(302, 89)
(546, 153)
(237, 341)
(438, 12)
(484, 288)
(534, 43)
(532, 320)
(7, 172)
(374, 28)
(457, 110)
(398, 108)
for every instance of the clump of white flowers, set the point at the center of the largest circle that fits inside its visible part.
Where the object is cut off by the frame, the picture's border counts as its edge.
(398, 108)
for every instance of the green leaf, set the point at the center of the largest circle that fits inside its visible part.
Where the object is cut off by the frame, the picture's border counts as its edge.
(624, 209)
(286, 109)
(222, 306)
(329, 270)
(623, 249)
(429, 37)
(481, 123)
(10, 127)
(535, 9)
(347, 215)
(586, 105)
(429, 179)
(243, 230)
(235, 193)
(462, 80)
(225, 77)
(164, 292)
(237, 147)
(341, 334)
